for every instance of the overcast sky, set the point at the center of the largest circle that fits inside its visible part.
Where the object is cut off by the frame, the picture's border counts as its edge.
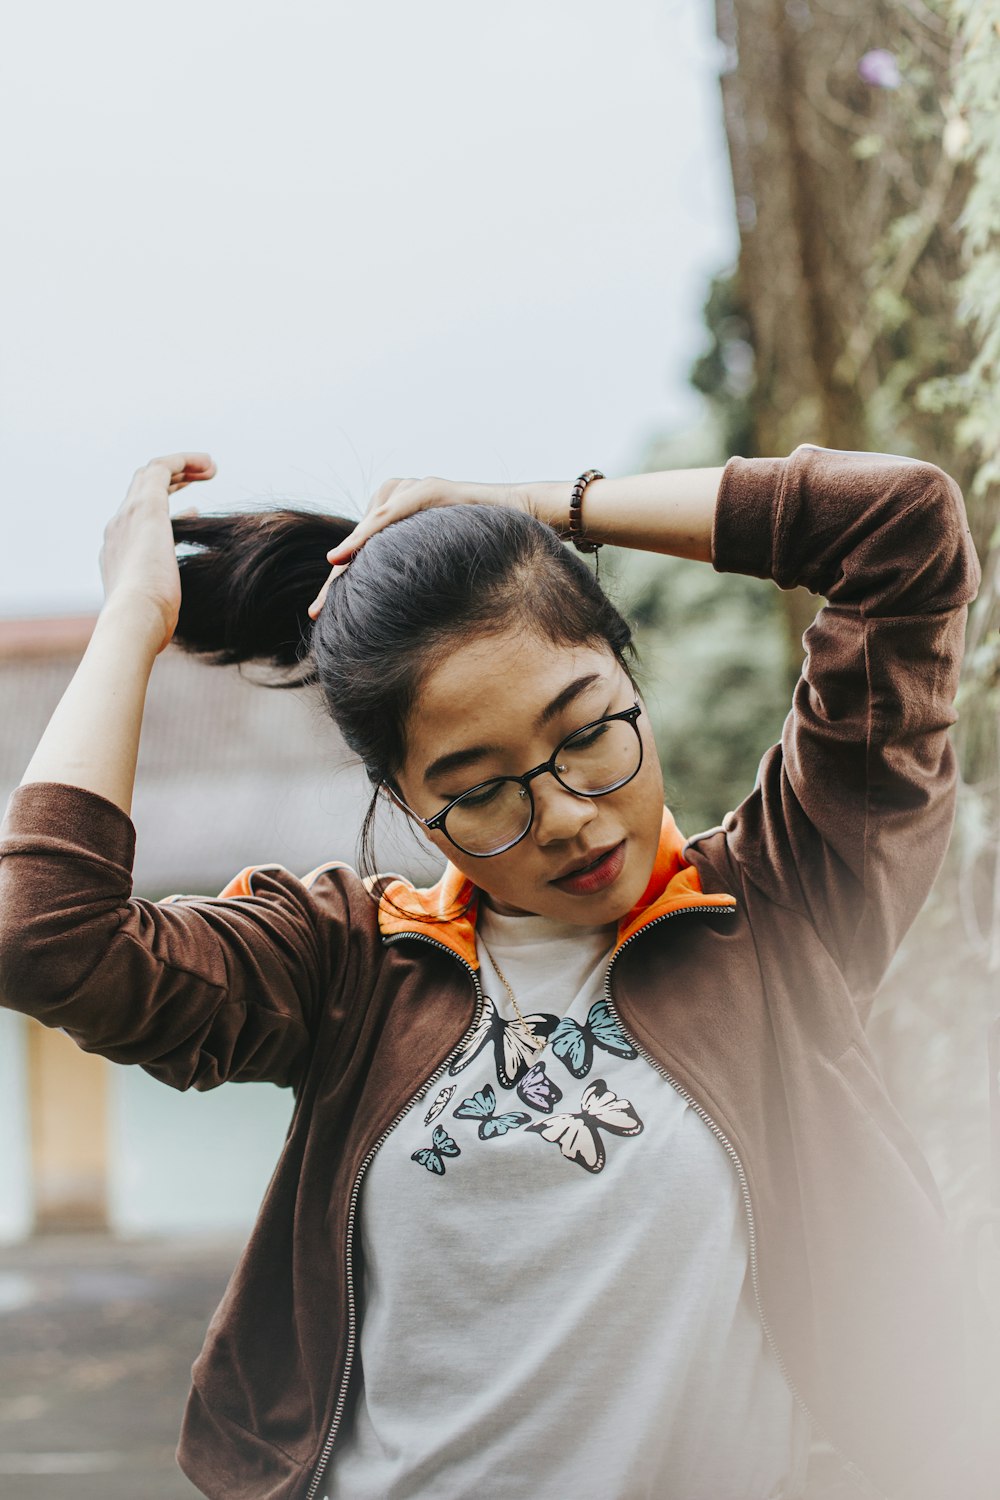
(329, 243)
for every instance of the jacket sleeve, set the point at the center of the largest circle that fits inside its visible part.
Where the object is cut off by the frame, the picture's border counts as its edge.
(196, 990)
(851, 812)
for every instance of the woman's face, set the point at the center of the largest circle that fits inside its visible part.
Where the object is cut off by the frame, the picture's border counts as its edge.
(491, 693)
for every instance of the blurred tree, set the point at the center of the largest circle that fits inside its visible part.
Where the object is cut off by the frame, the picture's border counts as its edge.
(846, 201)
(866, 170)
(726, 372)
(863, 313)
(713, 646)
(845, 204)
(712, 652)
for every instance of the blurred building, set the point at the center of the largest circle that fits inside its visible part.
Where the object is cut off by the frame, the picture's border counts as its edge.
(230, 774)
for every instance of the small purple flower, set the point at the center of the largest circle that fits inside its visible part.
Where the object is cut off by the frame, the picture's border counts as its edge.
(880, 68)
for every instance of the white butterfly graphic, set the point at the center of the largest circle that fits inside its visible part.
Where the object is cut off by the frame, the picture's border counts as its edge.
(439, 1103)
(514, 1050)
(578, 1135)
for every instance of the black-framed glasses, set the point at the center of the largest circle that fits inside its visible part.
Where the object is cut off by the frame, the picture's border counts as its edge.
(494, 815)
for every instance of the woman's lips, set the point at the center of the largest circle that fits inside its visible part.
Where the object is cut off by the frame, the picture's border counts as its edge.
(598, 878)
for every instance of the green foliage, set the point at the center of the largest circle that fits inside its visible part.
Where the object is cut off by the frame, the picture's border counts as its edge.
(713, 646)
(867, 146)
(712, 651)
(725, 372)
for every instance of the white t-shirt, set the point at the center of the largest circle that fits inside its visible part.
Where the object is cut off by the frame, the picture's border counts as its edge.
(556, 1296)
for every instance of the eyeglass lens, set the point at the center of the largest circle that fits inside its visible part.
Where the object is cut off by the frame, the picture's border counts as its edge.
(593, 761)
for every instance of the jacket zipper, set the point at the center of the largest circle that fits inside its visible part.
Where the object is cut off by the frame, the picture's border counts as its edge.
(867, 1486)
(324, 1457)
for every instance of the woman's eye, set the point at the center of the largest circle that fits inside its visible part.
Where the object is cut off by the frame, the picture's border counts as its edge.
(584, 741)
(481, 798)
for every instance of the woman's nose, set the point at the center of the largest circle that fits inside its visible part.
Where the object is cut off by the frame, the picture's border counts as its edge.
(559, 814)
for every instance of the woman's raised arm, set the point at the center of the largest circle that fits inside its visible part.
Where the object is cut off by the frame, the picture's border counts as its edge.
(92, 739)
(851, 811)
(195, 990)
(671, 511)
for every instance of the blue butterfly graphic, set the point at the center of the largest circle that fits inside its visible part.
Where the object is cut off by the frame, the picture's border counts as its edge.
(439, 1104)
(574, 1044)
(432, 1157)
(482, 1107)
(577, 1135)
(537, 1089)
(513, 1051)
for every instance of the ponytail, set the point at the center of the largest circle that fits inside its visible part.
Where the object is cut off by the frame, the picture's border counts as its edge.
(246, 589)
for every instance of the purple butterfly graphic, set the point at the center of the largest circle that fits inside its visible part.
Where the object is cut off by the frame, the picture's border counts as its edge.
(537, 1089)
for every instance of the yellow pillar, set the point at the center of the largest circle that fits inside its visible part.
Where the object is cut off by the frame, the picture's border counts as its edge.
(67, 1090)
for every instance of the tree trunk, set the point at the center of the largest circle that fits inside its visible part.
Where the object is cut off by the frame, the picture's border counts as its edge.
(822, 164)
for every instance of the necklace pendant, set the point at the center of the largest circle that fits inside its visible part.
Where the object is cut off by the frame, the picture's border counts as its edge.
(535, 1042)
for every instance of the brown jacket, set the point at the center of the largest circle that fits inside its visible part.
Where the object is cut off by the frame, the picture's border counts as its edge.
(745, 973)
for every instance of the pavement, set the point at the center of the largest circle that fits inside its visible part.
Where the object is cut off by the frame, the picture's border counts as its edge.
(97, 1339)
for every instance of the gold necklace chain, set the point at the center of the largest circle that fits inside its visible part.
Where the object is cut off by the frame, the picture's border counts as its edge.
(536, 1041)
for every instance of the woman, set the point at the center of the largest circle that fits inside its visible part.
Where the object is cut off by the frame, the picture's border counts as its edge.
(592, 1187)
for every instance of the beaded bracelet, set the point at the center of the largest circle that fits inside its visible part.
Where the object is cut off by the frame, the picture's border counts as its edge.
(581, 542)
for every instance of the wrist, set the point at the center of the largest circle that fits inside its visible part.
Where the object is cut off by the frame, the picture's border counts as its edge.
(549, 502)
(670, 511)
(135, 618)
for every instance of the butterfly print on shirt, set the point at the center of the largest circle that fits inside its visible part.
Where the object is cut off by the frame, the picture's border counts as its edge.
(432, 1157)
(482, 1107)
(574, 1044)
(439, 1103)
(578, 1135)
(512, 1049)
(537, 1089)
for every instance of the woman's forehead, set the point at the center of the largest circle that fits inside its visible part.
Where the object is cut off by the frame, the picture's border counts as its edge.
(493, 691)
(486, 678)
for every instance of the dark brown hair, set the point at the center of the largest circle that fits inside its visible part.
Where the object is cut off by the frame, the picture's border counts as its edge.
(414, 591)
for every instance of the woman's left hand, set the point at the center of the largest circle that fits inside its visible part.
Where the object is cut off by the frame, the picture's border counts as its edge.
(397, 498)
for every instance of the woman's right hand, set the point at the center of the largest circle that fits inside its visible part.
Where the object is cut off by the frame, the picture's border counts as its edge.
(398, 498)
(138, 561)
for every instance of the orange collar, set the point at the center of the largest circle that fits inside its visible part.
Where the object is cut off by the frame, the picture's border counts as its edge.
(674, 884)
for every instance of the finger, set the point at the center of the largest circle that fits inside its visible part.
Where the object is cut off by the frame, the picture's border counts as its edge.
(355, 540)
(392, 501)
(344, 550)
(176, 470)
(192, 474)
(179, 463)
(319, 601)
(320, 598)
(170, 473)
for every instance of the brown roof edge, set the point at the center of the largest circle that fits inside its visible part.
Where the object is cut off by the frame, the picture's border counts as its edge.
(45, 635)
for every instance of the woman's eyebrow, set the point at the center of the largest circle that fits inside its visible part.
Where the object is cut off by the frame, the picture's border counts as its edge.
(454, 760)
